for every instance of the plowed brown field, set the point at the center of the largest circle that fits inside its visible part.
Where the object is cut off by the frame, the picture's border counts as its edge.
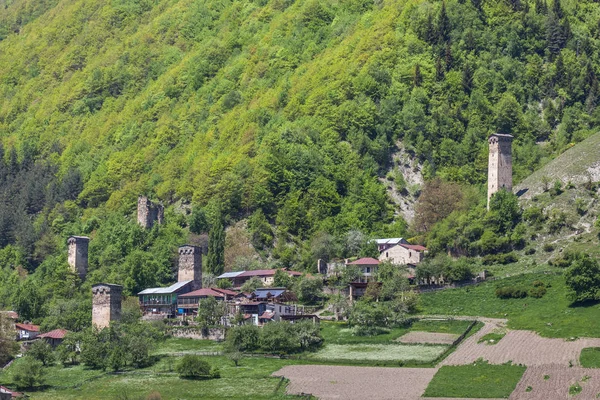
(556, 386)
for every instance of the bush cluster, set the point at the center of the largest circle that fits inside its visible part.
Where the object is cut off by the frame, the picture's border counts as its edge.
(538, 290)
(194, 367)
(275, 338)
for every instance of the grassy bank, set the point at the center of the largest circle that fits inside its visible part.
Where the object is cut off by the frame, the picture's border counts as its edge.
(552, 315)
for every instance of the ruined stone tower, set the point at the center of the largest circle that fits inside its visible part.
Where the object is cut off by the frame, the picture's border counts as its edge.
(78, 254)
(106, 304)
(190, 265)
(500, 164)
(148, 212)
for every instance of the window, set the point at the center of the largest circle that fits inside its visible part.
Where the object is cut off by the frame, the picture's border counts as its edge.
(368, 270)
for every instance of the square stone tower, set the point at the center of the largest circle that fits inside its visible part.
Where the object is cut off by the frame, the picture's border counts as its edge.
(500, 164)
(148, 212)
(78, 254)
(106, 304)
(190, 265)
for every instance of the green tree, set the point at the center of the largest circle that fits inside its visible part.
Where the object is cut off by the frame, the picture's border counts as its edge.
(28, 373)
(210, 312)
(8, 345)
(308, 290)
(41, 351)
(243, 338)
(509, 115)
(216, 249)
(583, 278)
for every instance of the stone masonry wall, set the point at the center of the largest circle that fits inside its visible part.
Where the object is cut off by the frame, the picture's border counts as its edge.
(500, 164)
(190, 265)
(148, 213)
(106, 304)
(78, 254)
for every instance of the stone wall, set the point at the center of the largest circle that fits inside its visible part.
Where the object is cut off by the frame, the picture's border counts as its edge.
(401, 255)
(190, 265)
(148, 213)
(499, 164)
(216, 334)
(106, 304)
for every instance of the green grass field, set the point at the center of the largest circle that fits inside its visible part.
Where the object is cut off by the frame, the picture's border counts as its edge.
(491, 338)
(480, 380)
(381, 352)
(183, 345)
(252, 379)
(552, 316)
(340, 333)
(590, 357)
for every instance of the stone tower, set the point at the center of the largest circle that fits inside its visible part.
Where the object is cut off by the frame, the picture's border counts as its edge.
(190, 265)
(78, 254)
(106, 304)
(148, 212)
(500, 164)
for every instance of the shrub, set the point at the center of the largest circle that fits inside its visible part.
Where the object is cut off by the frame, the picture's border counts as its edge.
(511, 292)
(537, 292)
(548, 247)
(194, 367)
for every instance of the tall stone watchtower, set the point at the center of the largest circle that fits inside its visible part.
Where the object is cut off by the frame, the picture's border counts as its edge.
(500, 164)
(78, 254)
(106, 304)
(148, 212)
(190, 265)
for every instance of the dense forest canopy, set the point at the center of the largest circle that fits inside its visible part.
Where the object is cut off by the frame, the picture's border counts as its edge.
(279, 112)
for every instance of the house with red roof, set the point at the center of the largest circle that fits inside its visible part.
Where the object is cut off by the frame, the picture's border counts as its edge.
(54, 337)
(368, 267)
(27, 331)
(399, 251)
(7, 394)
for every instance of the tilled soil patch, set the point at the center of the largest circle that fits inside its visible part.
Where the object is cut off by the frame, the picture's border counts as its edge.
(428, 337)
(549, 382)
(520, 347)
(338, 382)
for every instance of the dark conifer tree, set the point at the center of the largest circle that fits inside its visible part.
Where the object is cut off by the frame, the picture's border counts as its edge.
(439, 70)
(443, 25)
(417, 78)
(216, 249)
(448, 57)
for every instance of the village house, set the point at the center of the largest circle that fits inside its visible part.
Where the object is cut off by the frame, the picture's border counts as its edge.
(187, 304)
(273, 295)
(399, 251)
(266, 276)
(7, 394)
(27, 331)
(55, 337)
(367, 267)
(162, 302)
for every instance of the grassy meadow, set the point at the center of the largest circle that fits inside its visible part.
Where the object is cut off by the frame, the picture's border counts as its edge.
(404, 353)
(553, 315)
(479, 380)
(252, 379)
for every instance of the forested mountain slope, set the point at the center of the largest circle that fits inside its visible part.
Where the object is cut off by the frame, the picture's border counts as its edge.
(282, 112)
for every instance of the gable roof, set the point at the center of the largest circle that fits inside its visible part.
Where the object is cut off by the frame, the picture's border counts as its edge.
(208, 292)
(165, 290)
(365, 261)
(55, 334)
(226, 291)
(390, 241)
(415, 247)
(28, 327)
(230, 274)
(274, 292)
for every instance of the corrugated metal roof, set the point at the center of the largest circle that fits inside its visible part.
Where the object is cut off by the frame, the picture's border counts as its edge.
(230, 274)
(264, 292)
(203, 292)
(390, 241)
(165, 290)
